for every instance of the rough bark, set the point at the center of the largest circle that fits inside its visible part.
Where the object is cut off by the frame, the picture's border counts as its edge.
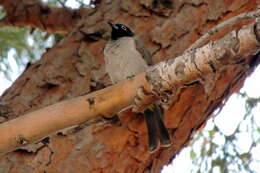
(35, 14)
(74, 67)
(235, 48)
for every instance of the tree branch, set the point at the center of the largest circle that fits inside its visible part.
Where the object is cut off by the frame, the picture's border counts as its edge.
(169, 75)
(228, 23)
(38, 15)
(208, 59)
(38, 124)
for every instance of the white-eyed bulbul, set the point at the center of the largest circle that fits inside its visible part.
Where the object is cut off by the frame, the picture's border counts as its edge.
(125, 56)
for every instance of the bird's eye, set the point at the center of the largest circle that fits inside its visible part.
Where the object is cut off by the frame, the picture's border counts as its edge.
(123, 27)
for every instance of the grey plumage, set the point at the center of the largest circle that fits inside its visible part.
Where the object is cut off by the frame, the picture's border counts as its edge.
(126, 56)
(122, 53)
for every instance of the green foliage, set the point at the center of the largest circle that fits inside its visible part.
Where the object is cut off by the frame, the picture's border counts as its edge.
(25, 46)
(222, 153)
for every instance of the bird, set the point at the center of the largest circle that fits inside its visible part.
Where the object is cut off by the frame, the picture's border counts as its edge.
(125, 56)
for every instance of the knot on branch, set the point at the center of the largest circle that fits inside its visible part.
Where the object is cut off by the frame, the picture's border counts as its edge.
(21, 140)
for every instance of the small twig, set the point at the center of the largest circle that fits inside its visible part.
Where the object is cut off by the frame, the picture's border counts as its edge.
(228, 23)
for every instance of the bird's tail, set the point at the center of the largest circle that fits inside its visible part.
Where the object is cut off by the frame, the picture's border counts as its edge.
(153, 141)
(156, 128)
(165, 138)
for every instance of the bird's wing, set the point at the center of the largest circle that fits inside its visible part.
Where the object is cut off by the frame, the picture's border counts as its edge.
(143, 50)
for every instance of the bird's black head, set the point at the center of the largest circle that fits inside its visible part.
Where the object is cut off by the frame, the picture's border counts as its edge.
(120, 30)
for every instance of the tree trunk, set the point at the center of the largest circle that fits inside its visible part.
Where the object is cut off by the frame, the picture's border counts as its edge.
(75, 66)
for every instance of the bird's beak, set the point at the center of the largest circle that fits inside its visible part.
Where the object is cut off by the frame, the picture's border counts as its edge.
(110, 24)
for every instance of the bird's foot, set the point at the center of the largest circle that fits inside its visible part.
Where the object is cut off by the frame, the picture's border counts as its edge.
(142, 100)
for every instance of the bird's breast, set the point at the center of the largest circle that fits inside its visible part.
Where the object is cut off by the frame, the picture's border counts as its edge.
(122, 60)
